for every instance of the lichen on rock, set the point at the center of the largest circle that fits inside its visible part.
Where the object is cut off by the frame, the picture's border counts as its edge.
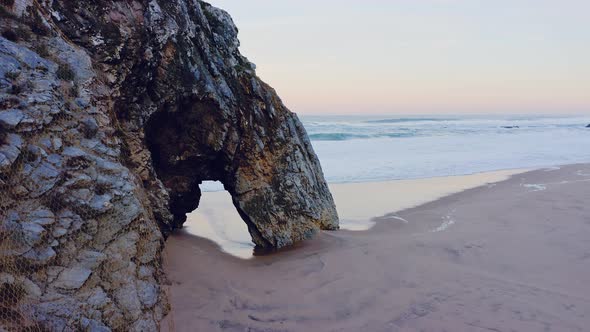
(111, 115)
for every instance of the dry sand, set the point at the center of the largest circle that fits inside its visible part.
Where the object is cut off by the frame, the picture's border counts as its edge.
(514, 256)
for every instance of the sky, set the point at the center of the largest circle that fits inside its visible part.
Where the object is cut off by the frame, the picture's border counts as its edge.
(420, 56)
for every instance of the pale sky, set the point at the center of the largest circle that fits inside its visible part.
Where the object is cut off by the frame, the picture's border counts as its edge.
(420, 56)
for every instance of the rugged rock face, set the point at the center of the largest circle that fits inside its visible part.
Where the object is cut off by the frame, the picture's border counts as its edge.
(111, 115)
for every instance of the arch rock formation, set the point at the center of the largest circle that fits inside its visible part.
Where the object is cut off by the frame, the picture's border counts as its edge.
(111, 115)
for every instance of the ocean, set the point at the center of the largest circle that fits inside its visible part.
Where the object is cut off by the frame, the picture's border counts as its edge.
(378, 148)
(381, 148)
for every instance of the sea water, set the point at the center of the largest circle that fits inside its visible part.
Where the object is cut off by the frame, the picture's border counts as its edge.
(380, 148)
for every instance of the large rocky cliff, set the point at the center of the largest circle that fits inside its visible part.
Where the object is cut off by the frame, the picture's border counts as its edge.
(111, 115)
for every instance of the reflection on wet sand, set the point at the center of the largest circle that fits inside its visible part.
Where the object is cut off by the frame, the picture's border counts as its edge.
(218, 220)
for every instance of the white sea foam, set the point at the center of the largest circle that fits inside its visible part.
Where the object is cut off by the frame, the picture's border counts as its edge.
(399, 218)
(535, 186)
(448, 222)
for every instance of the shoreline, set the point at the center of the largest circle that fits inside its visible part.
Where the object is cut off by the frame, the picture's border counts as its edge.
(389, 197)
(508, 256)
(217, 220)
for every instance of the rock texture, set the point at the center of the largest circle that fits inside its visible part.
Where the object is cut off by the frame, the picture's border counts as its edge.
(111, 115)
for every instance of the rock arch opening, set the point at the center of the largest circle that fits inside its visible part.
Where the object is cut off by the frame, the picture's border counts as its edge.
(191, 143)
(217, 220)
(262, 156)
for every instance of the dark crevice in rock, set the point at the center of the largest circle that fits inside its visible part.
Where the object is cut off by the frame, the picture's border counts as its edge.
(177, 139)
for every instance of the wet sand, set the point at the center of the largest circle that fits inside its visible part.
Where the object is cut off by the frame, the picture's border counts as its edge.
(513, 256)
(386, 197)
(216, 218)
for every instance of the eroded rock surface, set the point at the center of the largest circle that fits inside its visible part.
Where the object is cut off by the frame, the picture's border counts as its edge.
(111, 115)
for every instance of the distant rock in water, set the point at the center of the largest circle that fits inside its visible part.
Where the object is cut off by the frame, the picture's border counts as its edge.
(510, 127)
(111, 115)
(588, 126)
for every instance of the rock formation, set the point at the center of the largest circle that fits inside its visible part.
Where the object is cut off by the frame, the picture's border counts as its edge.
(111, 115)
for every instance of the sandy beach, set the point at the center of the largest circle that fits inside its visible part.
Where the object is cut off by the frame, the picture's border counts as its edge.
(508, 256)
